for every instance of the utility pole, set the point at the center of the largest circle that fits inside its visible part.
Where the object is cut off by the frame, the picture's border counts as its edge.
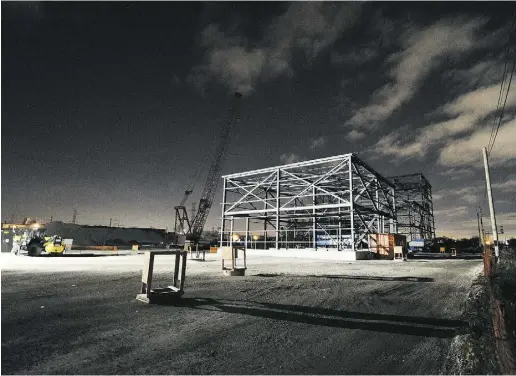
(74, 217)
(110, 221)
(491, 206)
(481, 232)
(482, 228)
(480, 242)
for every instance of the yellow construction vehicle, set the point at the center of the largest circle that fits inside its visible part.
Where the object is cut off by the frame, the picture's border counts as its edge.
(38, 243)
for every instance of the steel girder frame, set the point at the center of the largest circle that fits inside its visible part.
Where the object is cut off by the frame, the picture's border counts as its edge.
(331, 202)
(415, 210)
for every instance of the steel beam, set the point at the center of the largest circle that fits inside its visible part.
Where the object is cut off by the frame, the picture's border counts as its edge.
(329, 202)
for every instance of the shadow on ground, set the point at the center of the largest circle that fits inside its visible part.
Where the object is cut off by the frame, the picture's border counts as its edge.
(359, 277)
(444, 256)
(408, 325)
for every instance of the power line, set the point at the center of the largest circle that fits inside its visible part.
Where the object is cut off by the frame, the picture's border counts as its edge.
(499, 96)
(495, 128)
(503, 107)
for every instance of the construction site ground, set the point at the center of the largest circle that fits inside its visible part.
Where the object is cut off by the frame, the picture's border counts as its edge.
(79, 315)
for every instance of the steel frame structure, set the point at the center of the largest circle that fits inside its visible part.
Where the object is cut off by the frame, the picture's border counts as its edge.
(331, 202)
(415, 209)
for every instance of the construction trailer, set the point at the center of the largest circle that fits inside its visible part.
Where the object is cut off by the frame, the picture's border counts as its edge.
(414, 207)
(328, 203)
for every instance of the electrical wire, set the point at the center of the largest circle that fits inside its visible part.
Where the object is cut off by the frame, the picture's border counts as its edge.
(499, 97)
(504, 76)
(495, 128)
(503, 107)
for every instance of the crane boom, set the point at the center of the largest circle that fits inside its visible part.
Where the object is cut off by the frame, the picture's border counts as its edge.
(210, 186)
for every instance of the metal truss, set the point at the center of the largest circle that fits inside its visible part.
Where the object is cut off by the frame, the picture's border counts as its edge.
(331, 202)
(414, 206)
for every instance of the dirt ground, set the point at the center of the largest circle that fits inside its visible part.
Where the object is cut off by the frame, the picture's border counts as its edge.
(79, 315)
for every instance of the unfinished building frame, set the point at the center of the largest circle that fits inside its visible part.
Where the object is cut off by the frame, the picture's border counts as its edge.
(414, 206)
(331, 202)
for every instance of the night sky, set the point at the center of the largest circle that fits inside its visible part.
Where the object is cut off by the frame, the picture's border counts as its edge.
(109, 108)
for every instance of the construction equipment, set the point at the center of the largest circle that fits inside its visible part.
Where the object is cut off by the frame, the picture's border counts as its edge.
(186, 229)
(182, 222)
(36, 242)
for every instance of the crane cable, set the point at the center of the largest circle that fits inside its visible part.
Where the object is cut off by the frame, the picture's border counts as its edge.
(201, 166)
(202, 163)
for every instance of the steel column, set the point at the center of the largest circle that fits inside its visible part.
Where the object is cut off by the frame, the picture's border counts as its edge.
(277, 207)
(265, 222)
(352, 212)
(231, 232)
(223, 220)
(246, 231)
(314, 231)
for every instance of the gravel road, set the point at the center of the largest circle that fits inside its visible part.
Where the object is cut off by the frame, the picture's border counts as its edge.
(79, 315)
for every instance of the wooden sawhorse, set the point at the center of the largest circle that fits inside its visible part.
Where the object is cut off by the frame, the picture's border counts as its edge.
(147, 293)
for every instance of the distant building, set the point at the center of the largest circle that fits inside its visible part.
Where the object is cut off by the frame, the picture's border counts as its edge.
(414, 206)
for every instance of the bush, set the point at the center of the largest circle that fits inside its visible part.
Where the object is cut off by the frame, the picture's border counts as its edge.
(504, 285)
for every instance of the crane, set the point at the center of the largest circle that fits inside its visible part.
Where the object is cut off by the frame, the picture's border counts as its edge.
(193, 228)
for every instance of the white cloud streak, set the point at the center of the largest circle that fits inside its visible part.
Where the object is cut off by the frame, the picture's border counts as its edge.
(308, 27)
(467, 151)
(422, 51)
(466, 114)
(288, 158)
(355, 56)
(470, 194)
(484, 73)
(318, 143)
(354, 135)
(451, 212)
(506, 186)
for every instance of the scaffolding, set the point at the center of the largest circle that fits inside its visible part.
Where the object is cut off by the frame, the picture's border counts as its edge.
(414, 206)
(331, 202)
